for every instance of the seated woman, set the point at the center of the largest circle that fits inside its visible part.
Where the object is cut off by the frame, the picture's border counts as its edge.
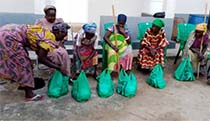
(85, 53)
(124, 48)
(50, 18)
(193, 45)
(15, 64)
(151, 50)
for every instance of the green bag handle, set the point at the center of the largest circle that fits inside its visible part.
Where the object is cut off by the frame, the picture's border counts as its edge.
(103, 74)
(81, 75)
(123, 74)
(77, 81)
(122, 81)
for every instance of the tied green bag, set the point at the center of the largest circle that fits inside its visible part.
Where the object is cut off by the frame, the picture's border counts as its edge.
(155, 78)
(127, 84)
(105, 85)
(58, 85)
(81, 88)
(131, 87)
(184, 72)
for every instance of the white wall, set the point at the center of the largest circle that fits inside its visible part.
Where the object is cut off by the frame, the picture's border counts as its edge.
(40, 4)
(191, 6)
(72, 10)
(103, 7)
(17, 6)
(97, 8)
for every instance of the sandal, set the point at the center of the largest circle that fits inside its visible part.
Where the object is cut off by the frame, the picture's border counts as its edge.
(208, 82)
(70, 81)
(35, 98)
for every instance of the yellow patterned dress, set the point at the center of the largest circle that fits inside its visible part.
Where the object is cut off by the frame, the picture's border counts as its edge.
(15, 63)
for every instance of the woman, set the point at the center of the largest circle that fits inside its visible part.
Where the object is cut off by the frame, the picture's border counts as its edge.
(151, 50)
(50, 18)
(124, 48)
(85, 53)
(60, 54)
(15, 63)
(193, 45)
(47, 23)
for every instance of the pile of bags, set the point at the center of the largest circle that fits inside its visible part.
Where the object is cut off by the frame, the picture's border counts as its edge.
(127, 84)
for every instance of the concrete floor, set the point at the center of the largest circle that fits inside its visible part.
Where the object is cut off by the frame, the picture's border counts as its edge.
(179, 101)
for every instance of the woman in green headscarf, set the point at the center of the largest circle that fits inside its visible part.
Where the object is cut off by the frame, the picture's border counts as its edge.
(151, 50)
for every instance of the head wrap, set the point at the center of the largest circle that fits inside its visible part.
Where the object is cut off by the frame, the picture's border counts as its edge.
(60, 27)
(158, 22)
(122, 18)
(48, 7)
(201, 27)
(90, 27)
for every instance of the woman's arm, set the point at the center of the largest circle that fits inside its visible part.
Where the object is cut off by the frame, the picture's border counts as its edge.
(42, 57)
(126, 35)
(106, 38)
(78, 52)
(91, 55)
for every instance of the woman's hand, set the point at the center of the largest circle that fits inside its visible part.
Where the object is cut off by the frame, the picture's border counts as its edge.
(64, 71)
(61, 44)
(152, 51)
(128, 41)
(106, 38)
(200, 57)
(42, 57)
(56, 45)
(115, 48)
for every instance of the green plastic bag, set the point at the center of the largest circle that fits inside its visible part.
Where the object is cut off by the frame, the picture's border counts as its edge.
(155, 78)
(131, 87)
(184, 71)
(58, 85)
(127, 84)
(105, 85)
(65, 86)
(81, 88)
(208, 57)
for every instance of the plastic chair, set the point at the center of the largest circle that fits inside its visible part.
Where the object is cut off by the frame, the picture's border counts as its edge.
(142, 28)
(183, 31)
